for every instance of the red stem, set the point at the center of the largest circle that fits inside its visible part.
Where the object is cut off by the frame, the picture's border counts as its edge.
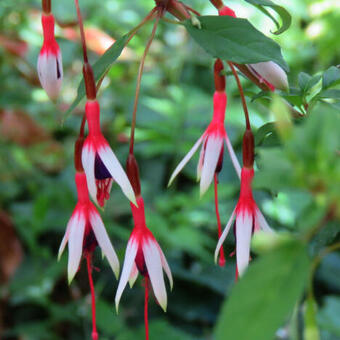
(243, 99)
(146, 300)
(93, 297)
(221, 260)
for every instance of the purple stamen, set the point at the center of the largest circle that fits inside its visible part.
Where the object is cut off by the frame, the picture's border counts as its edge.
(100, 170)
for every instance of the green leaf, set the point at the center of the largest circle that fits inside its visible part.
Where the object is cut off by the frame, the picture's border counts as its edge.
(281, 11)
(306, 82)
(100, 67)
(262, 300)
(235, 40)
(263, 132)
(331, 93)
(331, 77)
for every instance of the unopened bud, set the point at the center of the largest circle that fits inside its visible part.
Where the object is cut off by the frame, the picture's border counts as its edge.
(133, 174)
(50, 66)
(90, 84)
(248, 149)
(219, 79)
(271, 74)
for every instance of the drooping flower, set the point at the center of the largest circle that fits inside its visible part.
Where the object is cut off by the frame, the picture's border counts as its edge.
(50, 66)
(100, 163)
(144, 255)
(268, 73)
(85, 230)
(212, 142)
(248, 218)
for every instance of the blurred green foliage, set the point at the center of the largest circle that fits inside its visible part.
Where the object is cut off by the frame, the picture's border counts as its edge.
(297, 182)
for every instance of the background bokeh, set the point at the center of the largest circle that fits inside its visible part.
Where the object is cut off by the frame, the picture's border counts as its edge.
(37, 192)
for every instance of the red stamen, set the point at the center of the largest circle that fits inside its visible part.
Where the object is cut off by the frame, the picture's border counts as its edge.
(103, 188)
(221, 260)
(93, 297)
(146, 300)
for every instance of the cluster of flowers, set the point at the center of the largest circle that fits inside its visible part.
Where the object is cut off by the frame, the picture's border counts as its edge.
(97, 168)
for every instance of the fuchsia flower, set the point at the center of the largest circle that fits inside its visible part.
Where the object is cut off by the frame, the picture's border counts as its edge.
(50, 66)
(248, 218)
(85, 230)
(100, 163)
(268, 72)
(144, 254)
(212, 150)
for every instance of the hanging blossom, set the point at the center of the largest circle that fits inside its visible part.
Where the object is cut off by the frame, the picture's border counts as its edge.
(100, 163)
(85, 230)
(143, 253)
(268, 72)
(50, 66)
(212, 141)
(248, 218)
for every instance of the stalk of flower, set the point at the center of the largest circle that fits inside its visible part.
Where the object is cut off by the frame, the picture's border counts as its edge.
(85, 231)
(50, 66)
(247, 216)
(267, 75)
(143, 254)
(212, 140)
(100, 164)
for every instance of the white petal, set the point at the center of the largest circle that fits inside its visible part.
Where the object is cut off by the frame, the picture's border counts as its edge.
(224, 235)
(104, 241)
(185, 160)
(233, 157)
(50, 72)
(129, 261)
(133, 275)
(200, 161)
(244, 226)
(166, 267)
(117, 172)
(272, 73)
(88, 157)
(154, 267)
(262, 222)
(75, 246)
(73, 220)
(211, 156)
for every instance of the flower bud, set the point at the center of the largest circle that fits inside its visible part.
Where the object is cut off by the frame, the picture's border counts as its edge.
(271, 74)
(50, 67)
